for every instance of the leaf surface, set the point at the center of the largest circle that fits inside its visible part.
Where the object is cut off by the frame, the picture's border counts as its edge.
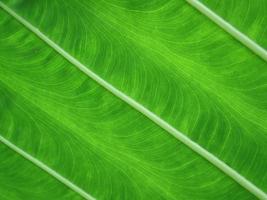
(20, 179)
(58, 115)
(163, 54)
(248, 16)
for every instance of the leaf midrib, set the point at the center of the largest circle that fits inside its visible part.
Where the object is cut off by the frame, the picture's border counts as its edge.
(226, 26)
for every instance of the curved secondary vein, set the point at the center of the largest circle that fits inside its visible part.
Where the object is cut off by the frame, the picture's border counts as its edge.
(47, 169)
(245, 40)
(153, 117)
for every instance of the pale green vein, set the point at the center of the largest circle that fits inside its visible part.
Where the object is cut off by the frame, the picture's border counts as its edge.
(245, 40)
(156, 119)
(47, 169)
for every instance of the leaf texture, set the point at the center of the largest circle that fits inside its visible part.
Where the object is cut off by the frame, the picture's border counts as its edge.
(64, 119)
(19, 179)
(248, 16)
(163, 54)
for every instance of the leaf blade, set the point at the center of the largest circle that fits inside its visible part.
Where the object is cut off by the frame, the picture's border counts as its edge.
(42, 104)
(184, 58)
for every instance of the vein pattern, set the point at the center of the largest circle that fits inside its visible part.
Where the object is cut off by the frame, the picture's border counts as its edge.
(175, 62)
(248, 16)
(20, 179)
(55, 113)
(194, 146)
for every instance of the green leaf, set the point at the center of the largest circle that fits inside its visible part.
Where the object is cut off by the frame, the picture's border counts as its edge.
(58, 115)
(248, 16)
(163, 54)
(20, 179)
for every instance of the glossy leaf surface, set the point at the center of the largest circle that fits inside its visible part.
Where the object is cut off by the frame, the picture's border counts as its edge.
(163, 54)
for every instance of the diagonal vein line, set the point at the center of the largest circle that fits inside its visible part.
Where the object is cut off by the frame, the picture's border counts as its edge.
(245, 40)
(47, 169)
(153, 117)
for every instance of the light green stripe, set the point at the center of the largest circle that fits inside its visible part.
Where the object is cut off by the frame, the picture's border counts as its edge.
(257, 49)
(46, 169)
